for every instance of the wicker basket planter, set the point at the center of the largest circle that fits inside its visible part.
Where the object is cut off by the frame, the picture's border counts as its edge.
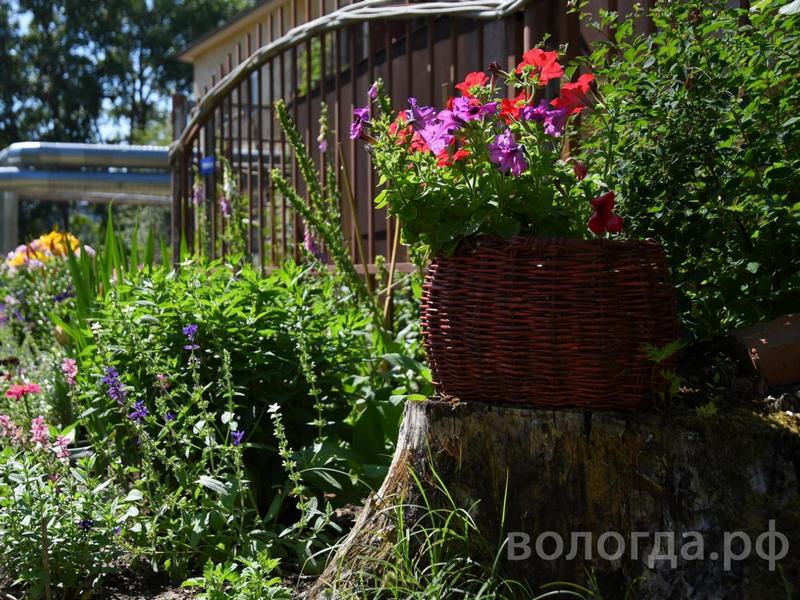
(548, 322)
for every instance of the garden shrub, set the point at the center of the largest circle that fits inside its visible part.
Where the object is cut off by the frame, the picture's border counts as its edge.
(704, 133)
(238, 402)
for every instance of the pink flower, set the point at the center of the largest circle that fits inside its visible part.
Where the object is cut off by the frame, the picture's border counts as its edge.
(62, 447)
(70, 369)
(19, 391)
(9, 429)
(39, 434)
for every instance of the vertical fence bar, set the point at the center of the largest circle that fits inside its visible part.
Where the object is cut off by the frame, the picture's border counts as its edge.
(390, 93)
(337, 126)
(249, 174)
(353, 163)
(295, 113)
(260, 144)
(284, 171)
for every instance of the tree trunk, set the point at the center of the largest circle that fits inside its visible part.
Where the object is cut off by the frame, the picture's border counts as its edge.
(570, 471)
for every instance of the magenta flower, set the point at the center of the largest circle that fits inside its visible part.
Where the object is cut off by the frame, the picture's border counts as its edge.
(311, 246)
(19, 391)
(360, 120)
(535, 113)
(9, 429)
(373, 91)
(419, 116)
(70, 369)
(507, 154)
(470, 109)
(323, 145)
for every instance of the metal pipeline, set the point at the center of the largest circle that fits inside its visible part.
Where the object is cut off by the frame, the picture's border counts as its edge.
(56, 154)
(153, 188)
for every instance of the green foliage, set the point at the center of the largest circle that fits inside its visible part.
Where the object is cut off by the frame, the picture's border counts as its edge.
(241, 579)
(704, 141)
(287, 358)
(60, 523)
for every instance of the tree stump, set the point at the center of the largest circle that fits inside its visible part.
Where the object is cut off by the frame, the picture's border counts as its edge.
(569, 471)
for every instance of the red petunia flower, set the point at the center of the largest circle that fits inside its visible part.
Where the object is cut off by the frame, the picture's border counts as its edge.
(574, 96)
(444, 159)
(476, 78)
(545, 65)
(510, 108)
(602, 218)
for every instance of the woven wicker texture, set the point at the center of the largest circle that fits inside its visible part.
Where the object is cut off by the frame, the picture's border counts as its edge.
(549, 322)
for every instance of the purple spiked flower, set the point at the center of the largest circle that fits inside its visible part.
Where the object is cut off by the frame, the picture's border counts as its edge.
(237, 436)
(190, 331)
(115, 389)
(139, 411)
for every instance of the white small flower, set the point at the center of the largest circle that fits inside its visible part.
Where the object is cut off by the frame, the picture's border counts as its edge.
(273, 408)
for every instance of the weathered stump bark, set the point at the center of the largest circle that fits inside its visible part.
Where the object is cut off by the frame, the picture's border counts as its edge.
(576, 471)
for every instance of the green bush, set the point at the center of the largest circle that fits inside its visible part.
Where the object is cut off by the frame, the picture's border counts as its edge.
(704, 132)
(289, 360)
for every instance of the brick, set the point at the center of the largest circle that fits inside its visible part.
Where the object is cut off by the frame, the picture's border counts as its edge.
(772, 349)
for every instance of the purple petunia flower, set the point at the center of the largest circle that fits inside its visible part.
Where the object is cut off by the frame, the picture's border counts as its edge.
(360, 119)
(507, 154)
(470, 109)
(237, 436)
(418, 116)
(85, 524)
(555, 121)
(139, 411)
(535, 113)
(115, 389)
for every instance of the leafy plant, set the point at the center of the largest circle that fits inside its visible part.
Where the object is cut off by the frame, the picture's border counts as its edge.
(61, 525)
(701, 143)
(241, 579)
